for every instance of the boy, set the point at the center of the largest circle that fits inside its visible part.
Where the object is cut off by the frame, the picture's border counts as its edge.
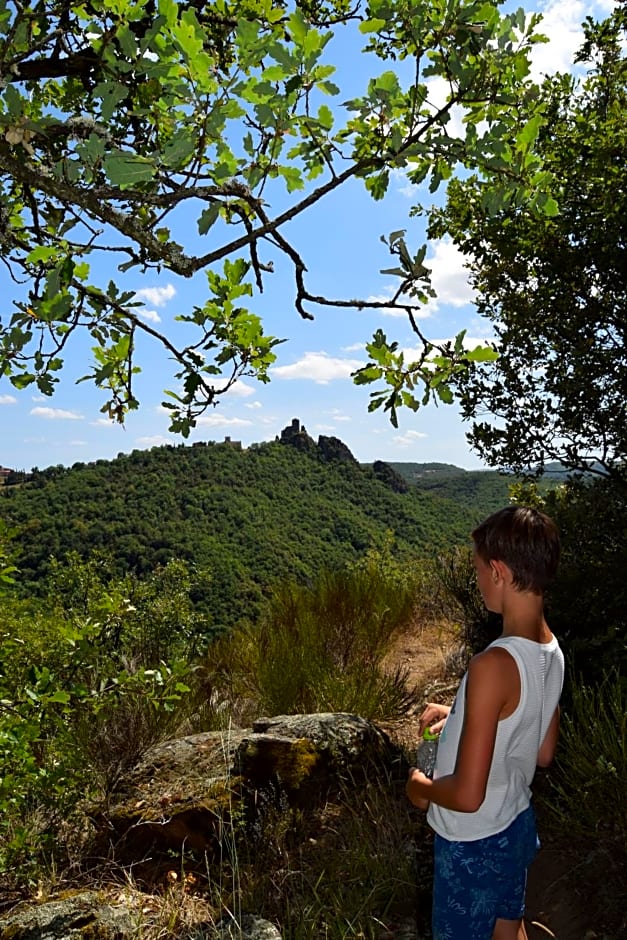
(504, 722)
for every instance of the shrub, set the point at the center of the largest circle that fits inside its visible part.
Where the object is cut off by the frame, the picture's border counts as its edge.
(77, 707)
(584, 795)
(587, 604)
(356, 869)
(320, 648)
(589, 780)
(460, 600)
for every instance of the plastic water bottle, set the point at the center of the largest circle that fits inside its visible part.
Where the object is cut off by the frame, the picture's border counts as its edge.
(427, 751)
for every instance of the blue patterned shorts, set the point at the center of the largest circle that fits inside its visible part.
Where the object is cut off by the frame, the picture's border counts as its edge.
(476, 882)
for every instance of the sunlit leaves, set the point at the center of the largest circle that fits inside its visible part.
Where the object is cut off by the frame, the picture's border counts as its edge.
(125, 170)
(227, 115)
(412, 378)
(550, 276)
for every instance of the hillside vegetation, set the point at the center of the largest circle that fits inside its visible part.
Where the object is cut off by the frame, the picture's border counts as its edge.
(113, 585)
(243, 518)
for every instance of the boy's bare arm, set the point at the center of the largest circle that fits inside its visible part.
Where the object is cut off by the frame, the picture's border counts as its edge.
(548, 746)
(488, 689)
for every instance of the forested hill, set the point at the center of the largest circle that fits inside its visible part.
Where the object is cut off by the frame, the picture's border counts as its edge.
(249, 517)
(484, 490)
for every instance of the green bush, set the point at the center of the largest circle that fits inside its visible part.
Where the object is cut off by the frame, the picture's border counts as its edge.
(587, 604)
(353, 870)
(82, 695)
(461, 601)
(321, 648)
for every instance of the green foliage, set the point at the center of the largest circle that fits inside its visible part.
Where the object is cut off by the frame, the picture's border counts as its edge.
(588, 601)
(240, 519)
(584, 794)
(7, 569)
(586, 791)
(146, 113)
(554, 288)
(481, 491)
(320, 648)
(589, 782)
(82, 694)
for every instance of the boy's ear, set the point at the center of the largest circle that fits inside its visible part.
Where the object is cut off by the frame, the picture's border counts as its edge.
(500, 571)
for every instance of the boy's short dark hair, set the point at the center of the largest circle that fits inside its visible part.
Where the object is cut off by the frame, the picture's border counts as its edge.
(526, 540)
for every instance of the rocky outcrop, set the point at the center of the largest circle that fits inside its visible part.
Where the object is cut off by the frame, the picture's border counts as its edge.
(296, 436)
(199, 796)
(89, 915)
(86, 915)
(189, 792)
(327, 449)
(248, 927)
(332, 448)
(389, 476)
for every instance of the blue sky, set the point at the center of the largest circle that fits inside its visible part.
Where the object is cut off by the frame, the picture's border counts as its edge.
(340, 242)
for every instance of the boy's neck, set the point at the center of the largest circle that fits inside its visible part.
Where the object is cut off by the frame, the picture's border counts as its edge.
(523, 616)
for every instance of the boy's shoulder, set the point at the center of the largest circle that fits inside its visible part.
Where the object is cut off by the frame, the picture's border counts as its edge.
(494, 683)
(493, 657)
(492, 667)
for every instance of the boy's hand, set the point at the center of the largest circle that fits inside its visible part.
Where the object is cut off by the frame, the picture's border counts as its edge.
(433, 717)
(416, 776)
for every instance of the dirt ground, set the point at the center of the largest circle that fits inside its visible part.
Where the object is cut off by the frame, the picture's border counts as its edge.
(556, 901)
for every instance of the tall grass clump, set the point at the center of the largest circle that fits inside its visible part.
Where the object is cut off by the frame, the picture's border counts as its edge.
(349, 869)
(584, 797)
(321, 648)
(588, 784)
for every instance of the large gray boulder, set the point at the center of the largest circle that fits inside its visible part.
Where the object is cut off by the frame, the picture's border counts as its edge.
(91, 915)
(191, 792)
(86, 915)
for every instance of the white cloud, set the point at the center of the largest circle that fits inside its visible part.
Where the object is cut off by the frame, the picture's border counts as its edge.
(150, 315)
(56, 414)
(318, 367)
(157, 296)
(403, 186)
(239, 390)
(408, 438)
(154, 440)
(449, 279)
(104, 423)
(561, 24)
(8, 400)
(254, 404)
(338, 415)
(215, 420)
(420, 311)
(449, 276)
(323, 428)
(385, 311)
(438, 92)
(78, 443)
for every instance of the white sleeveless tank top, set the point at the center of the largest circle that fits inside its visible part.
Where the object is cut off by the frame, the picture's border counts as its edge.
(518, 740)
